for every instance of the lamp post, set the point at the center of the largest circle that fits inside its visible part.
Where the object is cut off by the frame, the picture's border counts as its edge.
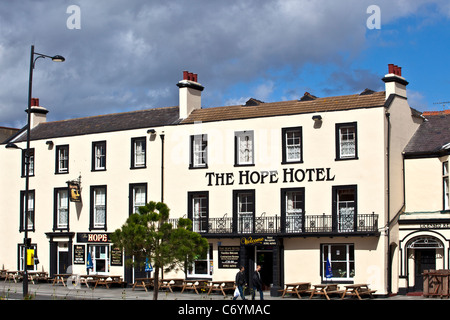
(26, 240)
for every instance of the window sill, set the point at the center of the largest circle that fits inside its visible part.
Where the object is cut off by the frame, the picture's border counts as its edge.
(199, 167)
(291, 162)
(136, 168)
(345, 159)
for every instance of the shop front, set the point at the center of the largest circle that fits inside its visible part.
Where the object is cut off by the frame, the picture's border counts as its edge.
(265, 251)
(421, 250)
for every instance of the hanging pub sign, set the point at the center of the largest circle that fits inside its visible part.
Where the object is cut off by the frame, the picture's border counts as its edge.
(75, 190)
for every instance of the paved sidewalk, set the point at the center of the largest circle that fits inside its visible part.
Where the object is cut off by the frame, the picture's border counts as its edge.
(47, 291)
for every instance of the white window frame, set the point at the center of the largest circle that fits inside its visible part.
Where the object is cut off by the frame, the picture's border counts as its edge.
(139, 152)
(63, 159)
(199, 151)
(245, 148)
(99, 206)
(199, 211)
(245, 217)
(62, 208)
(23, 257)
(346, 210)
(446, 186)
(297, 147)
(347, 142)
(97, 253)
(209, 263)
(99, 155)
(342, 275)
(31, 207)
(139, 194)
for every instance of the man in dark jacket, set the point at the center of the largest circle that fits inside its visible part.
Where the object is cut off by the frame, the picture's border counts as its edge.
(257, 283)
(240, 282)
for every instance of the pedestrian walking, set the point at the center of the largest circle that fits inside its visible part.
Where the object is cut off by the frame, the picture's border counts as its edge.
(257, 283)
(240, 282)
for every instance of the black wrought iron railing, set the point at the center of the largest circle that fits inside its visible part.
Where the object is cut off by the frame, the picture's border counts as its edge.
(289, 224)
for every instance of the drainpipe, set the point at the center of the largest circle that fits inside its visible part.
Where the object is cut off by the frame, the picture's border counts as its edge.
(389, 267)
(162, 166)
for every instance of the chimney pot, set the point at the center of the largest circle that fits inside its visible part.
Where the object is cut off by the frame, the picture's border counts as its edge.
(189, 94)
(391, 68)
(35, 102)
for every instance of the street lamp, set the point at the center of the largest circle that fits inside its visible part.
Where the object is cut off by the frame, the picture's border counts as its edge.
(26, 240)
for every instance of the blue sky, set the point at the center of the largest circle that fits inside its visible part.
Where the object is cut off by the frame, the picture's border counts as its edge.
(129, 55)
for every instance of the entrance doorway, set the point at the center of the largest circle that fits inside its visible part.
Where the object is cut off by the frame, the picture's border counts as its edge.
(425, 259)
(264, 258)
(63, 258)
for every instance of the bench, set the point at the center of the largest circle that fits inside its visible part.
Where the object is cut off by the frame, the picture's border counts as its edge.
(296, 288)
(357, 290)
(326, 290)
(143, 282)
(221, 286)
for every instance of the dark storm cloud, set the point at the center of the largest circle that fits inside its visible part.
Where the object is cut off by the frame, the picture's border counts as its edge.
(129, 55)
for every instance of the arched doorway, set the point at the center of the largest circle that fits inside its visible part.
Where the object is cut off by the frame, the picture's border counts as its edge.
(423, 250)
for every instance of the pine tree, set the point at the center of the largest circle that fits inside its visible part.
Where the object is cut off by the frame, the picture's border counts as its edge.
(149, 234)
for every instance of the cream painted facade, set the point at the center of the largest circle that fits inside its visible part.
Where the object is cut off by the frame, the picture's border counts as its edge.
(232, 178)
(424, 226)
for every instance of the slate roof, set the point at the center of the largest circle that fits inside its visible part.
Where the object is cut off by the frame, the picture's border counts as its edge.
(311, 105)
(432, 137)
(148, 118)
(156, 117)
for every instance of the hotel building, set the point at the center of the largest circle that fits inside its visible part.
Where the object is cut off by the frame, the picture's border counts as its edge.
(287, 185)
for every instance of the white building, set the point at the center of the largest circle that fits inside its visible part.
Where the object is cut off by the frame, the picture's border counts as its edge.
(287, 185)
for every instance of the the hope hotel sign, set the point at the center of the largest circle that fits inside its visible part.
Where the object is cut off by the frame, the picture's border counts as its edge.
(271, 176)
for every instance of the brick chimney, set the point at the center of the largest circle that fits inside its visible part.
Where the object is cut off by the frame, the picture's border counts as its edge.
(38, 113)
(394, 82)
(190, 97)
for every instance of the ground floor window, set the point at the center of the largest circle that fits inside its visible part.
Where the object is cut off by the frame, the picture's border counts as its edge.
(341, 259)
(203, 266)
(100, 258)
(27, 257)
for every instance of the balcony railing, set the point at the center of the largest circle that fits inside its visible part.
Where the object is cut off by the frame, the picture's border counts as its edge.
(288, 225)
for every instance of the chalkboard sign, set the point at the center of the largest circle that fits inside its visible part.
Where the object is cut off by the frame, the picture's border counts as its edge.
(116, 257)
(79, 254)
(228, 257)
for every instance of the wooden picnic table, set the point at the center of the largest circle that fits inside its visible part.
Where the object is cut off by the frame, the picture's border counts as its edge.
(221, 286)
(325, 290)
(14, 275)
(107, 280)
(61, 278)
(143, 282)
(3, 273)
(171, 283)
(88, 278)
(194, 285)
(37, 276)
(357, 290)
(297, 288)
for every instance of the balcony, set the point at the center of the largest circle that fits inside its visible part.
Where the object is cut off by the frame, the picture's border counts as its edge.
(290, 225)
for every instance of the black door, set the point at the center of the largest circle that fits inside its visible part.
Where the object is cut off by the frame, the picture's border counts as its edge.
(425, 260)
(63, 261)
(265, 260)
